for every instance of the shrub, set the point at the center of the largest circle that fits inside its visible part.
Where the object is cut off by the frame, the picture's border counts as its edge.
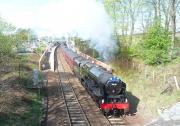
(156, 44)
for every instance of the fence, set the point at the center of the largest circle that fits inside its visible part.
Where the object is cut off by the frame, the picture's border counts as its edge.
(166, 76)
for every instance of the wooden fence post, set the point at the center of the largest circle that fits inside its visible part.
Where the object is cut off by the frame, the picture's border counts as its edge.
(145, 72)
(176, 82)
(153, 75)
(133, 65)
(164, 81)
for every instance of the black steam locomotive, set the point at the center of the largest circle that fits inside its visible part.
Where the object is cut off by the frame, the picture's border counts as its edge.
(105, 88)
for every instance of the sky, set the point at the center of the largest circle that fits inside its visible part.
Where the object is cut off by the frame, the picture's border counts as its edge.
(55, 17)
(22, 13)
(86, 19)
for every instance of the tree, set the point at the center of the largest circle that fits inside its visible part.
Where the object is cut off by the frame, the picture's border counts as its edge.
(113, 8)
(5, 48)
(6, 41)
(6, 28)
(173, 25)
(166, 7)
(22, 35)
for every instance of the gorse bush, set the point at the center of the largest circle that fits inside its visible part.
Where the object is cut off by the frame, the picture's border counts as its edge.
(156, 44)
(6, 47)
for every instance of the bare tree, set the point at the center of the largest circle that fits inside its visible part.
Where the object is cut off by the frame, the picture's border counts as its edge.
(166, 7)
(158, 2)
(113, 8)
(133, 10)
(146, 19)
(155, 4)
(173, 25)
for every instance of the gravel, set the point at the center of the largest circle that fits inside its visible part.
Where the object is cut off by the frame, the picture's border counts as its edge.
(168, 117)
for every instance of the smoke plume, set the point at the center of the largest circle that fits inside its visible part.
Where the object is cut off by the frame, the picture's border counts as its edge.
(86, 18)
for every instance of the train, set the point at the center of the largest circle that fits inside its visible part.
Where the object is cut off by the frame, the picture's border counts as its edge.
(107, 90)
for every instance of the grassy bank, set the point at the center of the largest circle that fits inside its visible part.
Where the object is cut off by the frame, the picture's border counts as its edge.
(19, 104)
(26, 112)
(154, 86)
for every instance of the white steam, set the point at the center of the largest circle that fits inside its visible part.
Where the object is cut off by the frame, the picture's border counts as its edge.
(87, 18)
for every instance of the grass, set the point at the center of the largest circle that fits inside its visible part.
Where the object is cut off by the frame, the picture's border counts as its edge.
(30, 117)
(25, 105)
(148, 91)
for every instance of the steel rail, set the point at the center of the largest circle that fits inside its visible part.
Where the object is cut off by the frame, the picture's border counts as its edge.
(71, 90)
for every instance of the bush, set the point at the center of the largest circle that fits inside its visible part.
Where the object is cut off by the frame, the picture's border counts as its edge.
(40, 49)
(156, 45)
(6, 48)
(5, 45)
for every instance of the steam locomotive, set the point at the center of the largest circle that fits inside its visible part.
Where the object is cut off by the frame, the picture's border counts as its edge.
(107, 90)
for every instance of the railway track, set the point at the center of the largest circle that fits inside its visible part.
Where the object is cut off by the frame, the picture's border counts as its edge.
(113, 121)
(118, 121)
(76, 115)
(69, 103)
